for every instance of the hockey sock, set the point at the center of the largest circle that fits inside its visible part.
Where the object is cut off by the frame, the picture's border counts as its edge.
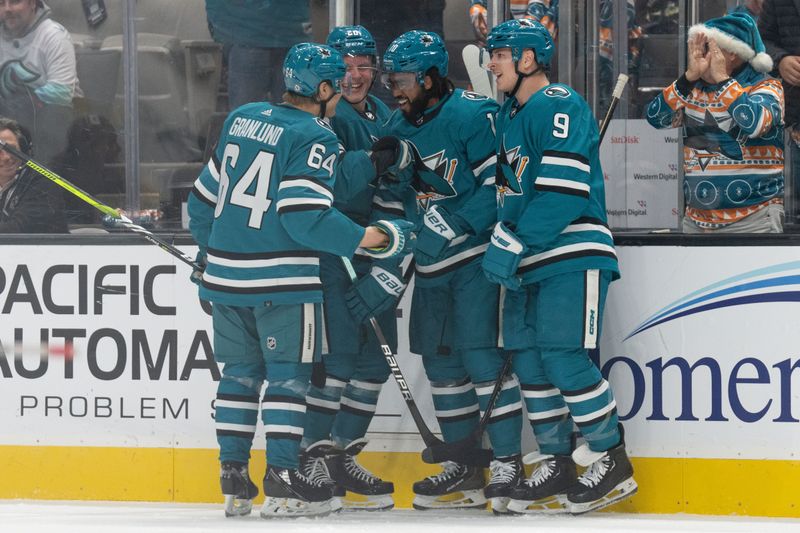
(236, 411)
(594, 410)
(283, 411)
(322, 408)
(456, 406)
(505, 420)
(358, 405)
(549, 418)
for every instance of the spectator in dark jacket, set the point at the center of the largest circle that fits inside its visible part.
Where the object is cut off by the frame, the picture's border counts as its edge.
(779, 25)
(29, 203)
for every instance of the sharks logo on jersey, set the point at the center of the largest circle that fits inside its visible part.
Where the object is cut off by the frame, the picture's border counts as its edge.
(434, 177)
(508, 176)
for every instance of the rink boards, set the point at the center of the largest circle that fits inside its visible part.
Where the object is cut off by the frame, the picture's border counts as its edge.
(700, 344)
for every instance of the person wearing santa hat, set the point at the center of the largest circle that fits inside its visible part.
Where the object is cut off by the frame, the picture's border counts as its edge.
(732, 114)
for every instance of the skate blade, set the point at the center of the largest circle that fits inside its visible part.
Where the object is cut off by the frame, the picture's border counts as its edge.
(552, 505)
(622, 491)
(500, 505)
(468, 499)
(360, 502)
(237, 507)
(293, 508)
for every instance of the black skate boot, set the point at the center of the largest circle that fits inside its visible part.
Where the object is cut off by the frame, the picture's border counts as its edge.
(544, 491)
(313, 465)
(237, 488)
(374, 494)
(456, 487)
(290, 494)
(608, 478)
(507, 473)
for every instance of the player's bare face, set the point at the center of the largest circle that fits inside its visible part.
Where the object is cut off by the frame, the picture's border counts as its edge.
(16, 15)
(501, 65)
(359, 78)
(8, 163)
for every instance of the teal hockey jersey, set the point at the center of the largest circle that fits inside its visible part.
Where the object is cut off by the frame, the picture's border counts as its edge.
(550, 188)
(261, 210)
(357, 132)
(455, 141)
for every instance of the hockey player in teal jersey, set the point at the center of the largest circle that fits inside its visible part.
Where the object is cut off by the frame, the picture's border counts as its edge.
(261, 213)
(552, 250)
(340, 409)
(454, 311)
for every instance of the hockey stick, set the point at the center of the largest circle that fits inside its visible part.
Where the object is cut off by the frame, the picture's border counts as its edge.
(97, 204)
(453, 451)
(480, 78)
(615, 96)
(466, 447)
(427, 435)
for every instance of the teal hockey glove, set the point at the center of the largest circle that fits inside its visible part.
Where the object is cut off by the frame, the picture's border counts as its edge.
(439, 229)
(394, 162)
(501, 260)
(401, 238)
(373, 294)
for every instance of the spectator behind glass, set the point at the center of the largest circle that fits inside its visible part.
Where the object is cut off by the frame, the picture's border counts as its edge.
(37, 73)
(751, 7)
(732, 115)
(91, 145)
(29, 203)
(545, 11)
(256, 35)
(780, 28)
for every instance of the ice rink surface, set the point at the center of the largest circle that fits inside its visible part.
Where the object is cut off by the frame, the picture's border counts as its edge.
(114, 517)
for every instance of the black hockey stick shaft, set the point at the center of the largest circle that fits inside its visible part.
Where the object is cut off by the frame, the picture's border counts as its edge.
(622, 80)
(391, 358)
(97, 204)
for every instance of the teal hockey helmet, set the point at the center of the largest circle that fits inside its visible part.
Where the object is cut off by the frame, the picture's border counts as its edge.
(353, 41)
(309, 64)
(416, 51)
(519, 35)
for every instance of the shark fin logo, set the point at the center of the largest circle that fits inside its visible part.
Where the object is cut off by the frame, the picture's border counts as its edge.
(777, 283)
(433, 179)
(508, 174)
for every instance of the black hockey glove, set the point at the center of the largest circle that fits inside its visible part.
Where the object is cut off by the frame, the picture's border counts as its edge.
(393, 159)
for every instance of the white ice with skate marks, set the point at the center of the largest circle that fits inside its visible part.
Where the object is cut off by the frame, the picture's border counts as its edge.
(118, 517)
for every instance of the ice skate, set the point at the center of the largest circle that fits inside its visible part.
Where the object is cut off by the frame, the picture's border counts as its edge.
(456, 487)
(545, 491)
(607, 480)
(366, 491)
(290, 494)
(314, 466)
(507, 473)
(237, 488)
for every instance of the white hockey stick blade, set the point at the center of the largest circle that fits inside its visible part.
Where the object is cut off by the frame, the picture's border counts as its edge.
(480, 78)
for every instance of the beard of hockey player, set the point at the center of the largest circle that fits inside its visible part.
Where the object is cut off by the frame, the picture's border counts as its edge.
(414, 100)
(361, 74)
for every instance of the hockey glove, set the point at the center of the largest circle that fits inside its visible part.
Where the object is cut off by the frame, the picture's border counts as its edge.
(502, 257)
(196, 276)
(373, 294)
(438, 231)
(401, 238)
(394, 162)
